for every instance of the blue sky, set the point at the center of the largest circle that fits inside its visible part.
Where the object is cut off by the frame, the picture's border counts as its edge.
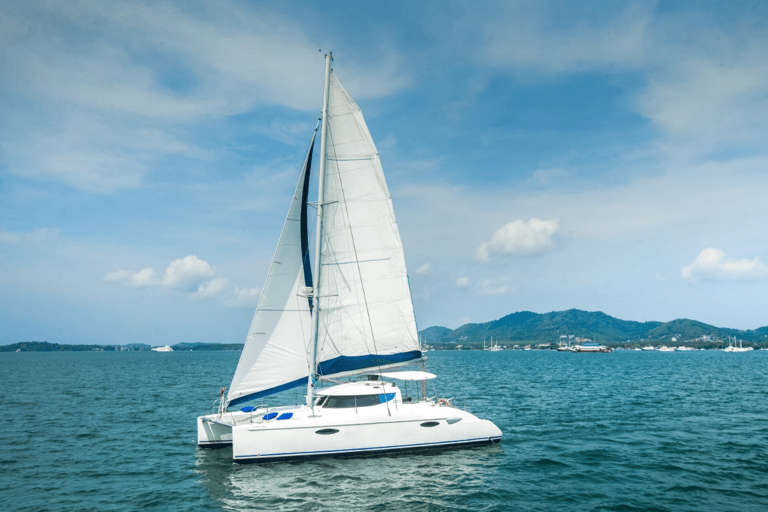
(541, 156)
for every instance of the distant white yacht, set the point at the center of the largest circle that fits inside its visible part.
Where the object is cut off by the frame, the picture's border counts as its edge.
(592, 347)
(166, 348)
(733, 348)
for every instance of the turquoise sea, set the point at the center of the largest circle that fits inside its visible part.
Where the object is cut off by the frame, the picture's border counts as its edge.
(625, 431)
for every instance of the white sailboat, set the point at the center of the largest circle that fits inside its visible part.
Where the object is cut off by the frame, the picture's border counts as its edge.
(492, 348)
(353, 317)
(733, 348)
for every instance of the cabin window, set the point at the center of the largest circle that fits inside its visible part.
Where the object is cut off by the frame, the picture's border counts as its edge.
(319, 400)
(350, 402)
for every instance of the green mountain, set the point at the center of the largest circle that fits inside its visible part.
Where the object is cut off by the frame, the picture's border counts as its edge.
(44, 346)
(526, 327)
(432, 335)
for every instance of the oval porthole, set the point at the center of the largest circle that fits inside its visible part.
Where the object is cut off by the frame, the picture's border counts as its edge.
(430, 424)
(326, 431)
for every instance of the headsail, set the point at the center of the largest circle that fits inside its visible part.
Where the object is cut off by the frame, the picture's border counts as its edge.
(274, 356)
(366, 312)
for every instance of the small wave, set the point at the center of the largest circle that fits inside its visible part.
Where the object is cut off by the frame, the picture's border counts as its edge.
(549, 462)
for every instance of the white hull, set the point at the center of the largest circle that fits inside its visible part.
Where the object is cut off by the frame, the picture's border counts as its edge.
(298, 432)
(215, 430)
(412, 427)
(594, 348)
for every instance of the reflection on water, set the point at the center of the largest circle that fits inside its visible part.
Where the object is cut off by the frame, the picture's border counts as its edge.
(437, 481)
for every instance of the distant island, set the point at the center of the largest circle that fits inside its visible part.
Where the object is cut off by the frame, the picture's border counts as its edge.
(537, 330)
(548, 329)
(44, 346)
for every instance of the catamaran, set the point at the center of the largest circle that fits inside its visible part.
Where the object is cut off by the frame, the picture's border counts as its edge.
(347, 315)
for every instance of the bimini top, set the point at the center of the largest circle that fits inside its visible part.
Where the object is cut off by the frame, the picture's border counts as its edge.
(357, 388)
(412, 375)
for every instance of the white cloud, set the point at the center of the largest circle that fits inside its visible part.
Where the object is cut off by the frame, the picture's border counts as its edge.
(704, 74)
(705, 99)
(463, 282)
(222, 290)
(189, 275)
(26, 237)
(712, 265)
(520, 238)
(424, 269)
(493, 288)
(145, 277)
(99, 90)
(526, 34)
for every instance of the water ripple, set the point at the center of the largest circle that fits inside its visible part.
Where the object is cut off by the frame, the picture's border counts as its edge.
(615, 432)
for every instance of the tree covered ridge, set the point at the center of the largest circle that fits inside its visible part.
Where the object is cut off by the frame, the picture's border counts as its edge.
(530, 327)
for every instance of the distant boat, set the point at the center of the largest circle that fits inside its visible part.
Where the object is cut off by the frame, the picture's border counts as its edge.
(492, 348)
(665, 348)
(166, 348)
(683, 348)
(648, 348)
(566, 347)
(592, 347)
(733, 348)
(349, 314)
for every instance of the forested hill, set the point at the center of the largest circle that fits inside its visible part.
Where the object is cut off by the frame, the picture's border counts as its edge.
(529, 327)
(44, 346)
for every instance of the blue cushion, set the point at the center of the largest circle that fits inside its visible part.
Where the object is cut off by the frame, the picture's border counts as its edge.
(285, 416)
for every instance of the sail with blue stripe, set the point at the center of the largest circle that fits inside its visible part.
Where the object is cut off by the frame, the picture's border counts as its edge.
(365, 318)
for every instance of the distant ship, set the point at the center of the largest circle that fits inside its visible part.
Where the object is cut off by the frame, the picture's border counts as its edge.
(592, 347)
(166, 348)
(733, 348)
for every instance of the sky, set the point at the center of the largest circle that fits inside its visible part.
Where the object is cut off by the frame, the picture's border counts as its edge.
(541, 156)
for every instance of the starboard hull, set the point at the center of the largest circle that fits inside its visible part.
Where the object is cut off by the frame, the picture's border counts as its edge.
(413, 428)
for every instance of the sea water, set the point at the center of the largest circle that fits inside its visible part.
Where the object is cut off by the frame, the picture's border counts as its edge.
(624, 431)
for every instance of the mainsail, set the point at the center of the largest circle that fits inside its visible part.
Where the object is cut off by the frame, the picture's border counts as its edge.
(274, 356)
(366, 311)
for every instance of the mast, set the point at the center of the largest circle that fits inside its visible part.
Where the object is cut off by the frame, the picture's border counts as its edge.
(318, 236)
